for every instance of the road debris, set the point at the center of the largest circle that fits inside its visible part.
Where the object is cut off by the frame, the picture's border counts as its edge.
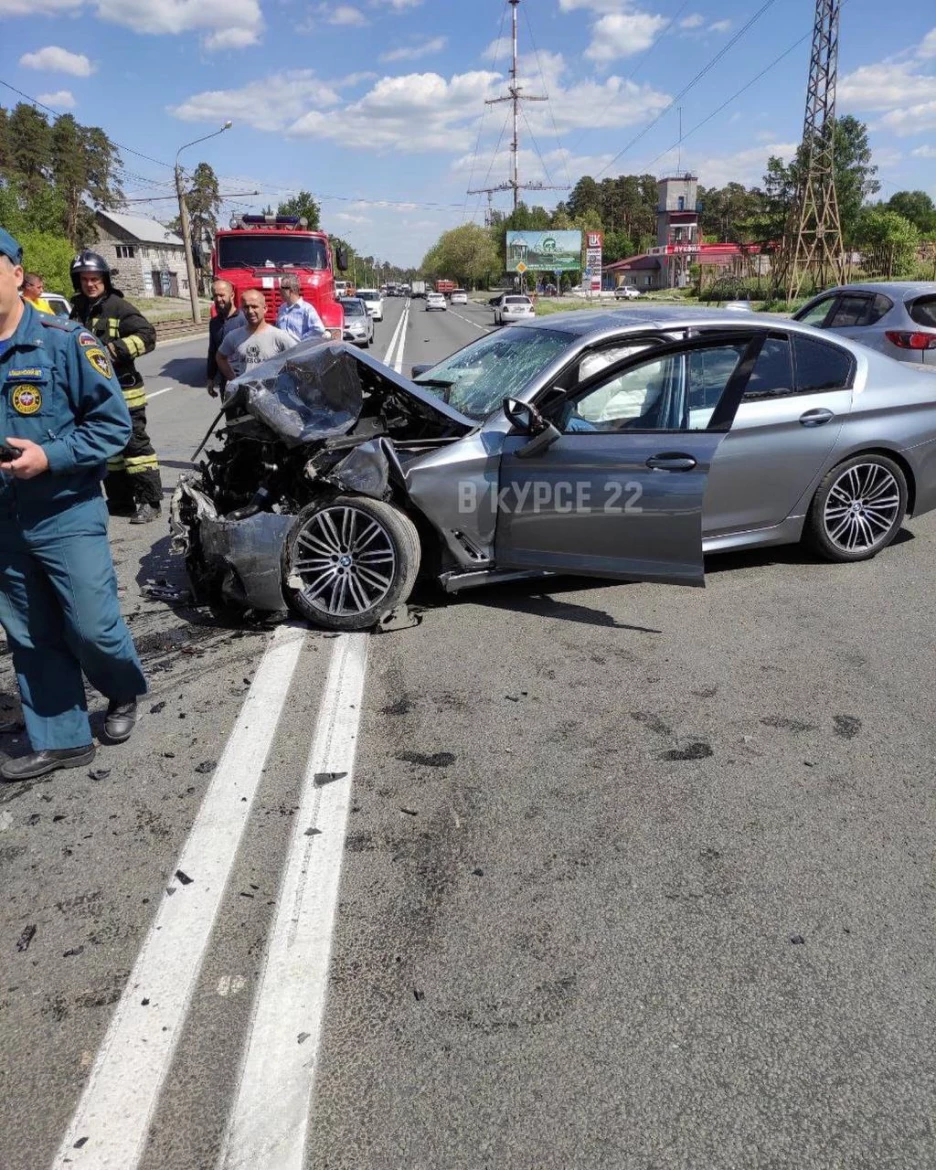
(73, 952)
(698, 750)
(206, 767)
(404, 617)
(322, 778)
(184, 878)
(6, 821)
(157, 707)
(99, 773)
(26, 937)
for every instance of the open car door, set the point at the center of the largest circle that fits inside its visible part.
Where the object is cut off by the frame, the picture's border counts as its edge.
(612, 481)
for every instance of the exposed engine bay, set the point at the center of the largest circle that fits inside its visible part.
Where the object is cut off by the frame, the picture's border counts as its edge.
(316, 425)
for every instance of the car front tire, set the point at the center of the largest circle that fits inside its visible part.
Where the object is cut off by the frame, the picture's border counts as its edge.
(349, 561)
(857, 509)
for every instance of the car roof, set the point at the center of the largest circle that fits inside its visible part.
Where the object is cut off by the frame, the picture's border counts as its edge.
(900, 288)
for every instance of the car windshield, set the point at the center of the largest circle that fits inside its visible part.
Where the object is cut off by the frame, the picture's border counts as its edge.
(263, 250)
(353, 307)
(493, 368)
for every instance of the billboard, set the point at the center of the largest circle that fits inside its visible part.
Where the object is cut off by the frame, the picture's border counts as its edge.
(544, 251)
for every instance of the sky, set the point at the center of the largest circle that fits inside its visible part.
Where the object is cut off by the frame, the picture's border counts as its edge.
(378, 106)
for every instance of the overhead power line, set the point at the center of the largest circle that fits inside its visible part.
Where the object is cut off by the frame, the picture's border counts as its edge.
(695, 80)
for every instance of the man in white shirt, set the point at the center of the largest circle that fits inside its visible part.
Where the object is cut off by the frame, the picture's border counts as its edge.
(296, 316)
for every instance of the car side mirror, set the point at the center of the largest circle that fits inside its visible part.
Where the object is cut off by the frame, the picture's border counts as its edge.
(528, 421)
(341, 258)
(420, 368)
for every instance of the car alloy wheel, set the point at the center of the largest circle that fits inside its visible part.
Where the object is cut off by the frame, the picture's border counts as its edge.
(858, 508)
(349, 562)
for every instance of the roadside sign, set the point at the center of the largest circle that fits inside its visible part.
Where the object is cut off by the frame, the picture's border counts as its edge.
(521, 268)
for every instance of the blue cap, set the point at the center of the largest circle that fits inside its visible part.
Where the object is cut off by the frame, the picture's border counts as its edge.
(10, 248)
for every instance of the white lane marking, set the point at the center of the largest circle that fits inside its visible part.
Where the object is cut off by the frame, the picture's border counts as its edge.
(270, 1119)
(483, 328)
(117, 1106)
(156, 393)
(398, 341)
(182, 340)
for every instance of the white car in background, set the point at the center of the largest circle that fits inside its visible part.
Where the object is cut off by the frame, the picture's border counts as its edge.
(374, 301)
(626, 292)
(459, 297)
(435, 300)
(513, 307)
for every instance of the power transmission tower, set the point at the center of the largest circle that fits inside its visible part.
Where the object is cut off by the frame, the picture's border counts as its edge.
(812, 242)
(516, 96)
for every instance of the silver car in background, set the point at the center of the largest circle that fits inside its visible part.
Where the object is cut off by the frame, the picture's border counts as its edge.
(894, 317)
(622, 444)
(358, 323)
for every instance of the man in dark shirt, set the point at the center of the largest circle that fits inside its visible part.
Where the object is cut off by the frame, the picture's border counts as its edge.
(226, 317)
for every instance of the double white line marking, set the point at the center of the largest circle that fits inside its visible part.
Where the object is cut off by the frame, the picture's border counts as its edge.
(269, 1121)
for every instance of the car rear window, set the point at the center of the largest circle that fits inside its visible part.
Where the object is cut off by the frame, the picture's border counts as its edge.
(517, 301)
(923, 311)
(820, 366)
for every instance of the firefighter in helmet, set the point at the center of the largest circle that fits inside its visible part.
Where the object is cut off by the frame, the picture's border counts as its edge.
(132, 485)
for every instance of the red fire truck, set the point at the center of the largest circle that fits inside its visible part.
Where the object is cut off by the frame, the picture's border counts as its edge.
(257, 250)
(446, 287)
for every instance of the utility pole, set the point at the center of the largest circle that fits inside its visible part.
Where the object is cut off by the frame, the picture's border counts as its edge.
(186, 227)
(515, 96)
(812, 242)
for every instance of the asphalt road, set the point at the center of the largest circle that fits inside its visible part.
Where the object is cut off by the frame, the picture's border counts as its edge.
(630, 876)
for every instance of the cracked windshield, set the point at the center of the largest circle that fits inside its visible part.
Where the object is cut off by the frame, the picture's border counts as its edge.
(467, 585)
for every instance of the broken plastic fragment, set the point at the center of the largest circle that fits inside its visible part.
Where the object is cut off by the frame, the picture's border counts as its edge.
(26, 937)
(156, 708)
(303, 1036)
(99, 773)
(206, 767)
(322, 778)
(184, 878)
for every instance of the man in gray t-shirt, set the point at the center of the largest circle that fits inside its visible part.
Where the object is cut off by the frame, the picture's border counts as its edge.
(242, 349)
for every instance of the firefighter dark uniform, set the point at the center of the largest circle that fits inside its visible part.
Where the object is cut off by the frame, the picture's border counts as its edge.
(58, 588)
(133, 483)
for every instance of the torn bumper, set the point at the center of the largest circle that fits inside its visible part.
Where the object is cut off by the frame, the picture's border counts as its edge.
(232, 562)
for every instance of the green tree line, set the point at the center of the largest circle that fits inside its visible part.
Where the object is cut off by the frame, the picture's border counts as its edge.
(624, 208)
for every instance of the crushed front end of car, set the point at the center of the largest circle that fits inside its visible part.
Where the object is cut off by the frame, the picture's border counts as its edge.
(303, 503)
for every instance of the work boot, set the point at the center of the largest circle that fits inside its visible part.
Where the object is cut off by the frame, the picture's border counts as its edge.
(38, 763)
(119, 720)
(145, 513)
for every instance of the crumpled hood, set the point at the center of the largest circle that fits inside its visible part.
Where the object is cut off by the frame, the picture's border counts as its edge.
(318, 389)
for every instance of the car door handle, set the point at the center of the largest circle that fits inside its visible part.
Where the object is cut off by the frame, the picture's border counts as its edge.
(671, 461)
(815, 418)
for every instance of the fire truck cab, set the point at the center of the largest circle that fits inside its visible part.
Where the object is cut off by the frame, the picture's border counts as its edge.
(258, 250)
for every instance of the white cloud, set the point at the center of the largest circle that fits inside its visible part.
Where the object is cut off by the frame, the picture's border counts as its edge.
(266, 104)
(743, 166)
(927, 47)
(414, 52)
(593, 5)
(56, 60)
(226, 23)
(346, 217)
(413, 113)
(344, 14)
(720, 26)
(622, 34)
(924, 152)
(916, 119)
(396, 5)
(63, 99)
(885, 85)
(39, 8)
(694, 20)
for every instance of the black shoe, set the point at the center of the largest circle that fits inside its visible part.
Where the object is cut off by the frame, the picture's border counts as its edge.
(117, 509)
(145, 513)
(119, 720)
(38, 763)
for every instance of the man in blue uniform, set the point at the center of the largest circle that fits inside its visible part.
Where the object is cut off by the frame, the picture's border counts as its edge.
(62, 416)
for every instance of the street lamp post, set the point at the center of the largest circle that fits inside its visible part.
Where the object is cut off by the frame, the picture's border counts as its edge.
(186, 227)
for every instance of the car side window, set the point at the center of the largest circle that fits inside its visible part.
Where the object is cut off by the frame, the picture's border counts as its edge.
(817, 314)
(820, 366)
(851, 310)
(879, 306)
(772, 375)
(923, 311)
(673, 392)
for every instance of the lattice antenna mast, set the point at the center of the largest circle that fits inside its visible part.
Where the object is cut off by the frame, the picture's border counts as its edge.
(516, 96)
(812, 243)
